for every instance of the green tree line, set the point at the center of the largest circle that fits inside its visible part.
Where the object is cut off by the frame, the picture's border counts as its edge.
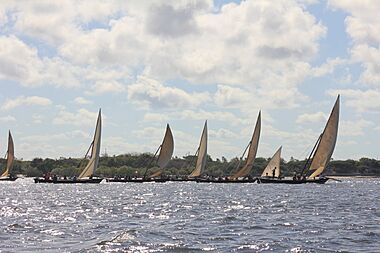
(136, 164)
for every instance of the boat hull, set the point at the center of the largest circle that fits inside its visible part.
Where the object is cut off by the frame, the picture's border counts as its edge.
(68, 181)
(227, 181)
(291, 181)
(8, 178)
(137, 180)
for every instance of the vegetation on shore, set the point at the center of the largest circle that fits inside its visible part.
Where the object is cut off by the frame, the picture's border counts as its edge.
(135, 165)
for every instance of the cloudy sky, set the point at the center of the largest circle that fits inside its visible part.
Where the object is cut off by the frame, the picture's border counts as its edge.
(148, 63)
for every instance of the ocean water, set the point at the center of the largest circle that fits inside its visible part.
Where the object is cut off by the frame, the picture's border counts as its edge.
(190, 217)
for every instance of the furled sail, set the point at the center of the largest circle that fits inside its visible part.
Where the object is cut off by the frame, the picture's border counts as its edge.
(202, 154)
(92, 164)
(10, 156)
(167, 148)
(253, 145)
(327, 142)
(274, 164)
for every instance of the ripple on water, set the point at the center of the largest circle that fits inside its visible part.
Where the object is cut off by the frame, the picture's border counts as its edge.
(190, 217)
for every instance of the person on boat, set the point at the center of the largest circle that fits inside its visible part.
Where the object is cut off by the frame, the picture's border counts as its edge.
(274, 172)
(55, 178)
(74, 178)
(65, 177)
(295, 177)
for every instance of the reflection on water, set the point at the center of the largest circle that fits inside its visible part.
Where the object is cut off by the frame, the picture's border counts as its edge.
(190, 217)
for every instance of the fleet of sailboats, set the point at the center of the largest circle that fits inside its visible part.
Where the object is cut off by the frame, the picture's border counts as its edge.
(312, 172)
(319, 157)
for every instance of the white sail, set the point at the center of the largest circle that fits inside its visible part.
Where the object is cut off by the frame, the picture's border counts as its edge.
(92, 164)
(167, 148)
(254, 143)
(273, 165)
(10, 156)
(326, 144)
(202, 154)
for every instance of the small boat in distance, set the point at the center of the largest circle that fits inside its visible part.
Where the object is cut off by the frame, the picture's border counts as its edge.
(7, 175)
(272, 170)
(242, 174)
(86, 176)
(166, 151)
(319, 156)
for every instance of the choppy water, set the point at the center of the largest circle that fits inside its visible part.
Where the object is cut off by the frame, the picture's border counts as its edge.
(190, 217)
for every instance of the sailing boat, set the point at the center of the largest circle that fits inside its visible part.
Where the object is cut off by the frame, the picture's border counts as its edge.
(242, 175)
(202, 155)
(166, 151)
(86, 176)
(7, 175)
(273, 167)
(321, 154)
(200, 164)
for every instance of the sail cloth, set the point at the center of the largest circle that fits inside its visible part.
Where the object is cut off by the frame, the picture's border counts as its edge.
(202, 154)
(92, 164)
(10, 156)
(167, 148)
(327, 142)
(254, 143)
(274, 164)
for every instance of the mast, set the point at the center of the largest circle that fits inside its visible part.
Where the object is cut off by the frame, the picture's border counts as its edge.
(327, 142)
(311, 154)
(92, 164)
(202, 154)
(254, 143)
(10, 156)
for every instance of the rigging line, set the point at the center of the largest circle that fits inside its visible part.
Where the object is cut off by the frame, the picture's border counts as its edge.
(242, 156)
(85, 156)
(151, 160)
(311, 153)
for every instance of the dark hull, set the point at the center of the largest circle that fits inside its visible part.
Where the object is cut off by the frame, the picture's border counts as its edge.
(291, 181)
(113, 180)
(226, 181)
(68, 181)
(8, 179)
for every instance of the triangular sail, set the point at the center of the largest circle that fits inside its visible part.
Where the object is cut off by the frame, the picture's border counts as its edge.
(202, 154)
(254, 143)
(327, 142)
(92, 164)
(10, 156)
(274, 164)
(167, 148)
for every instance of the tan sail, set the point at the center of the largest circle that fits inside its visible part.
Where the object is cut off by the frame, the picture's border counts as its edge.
(92, 164)
(254, 143)
(10, 156)
(202, 154)
(327, 142)
(167, 148)
(274, 164)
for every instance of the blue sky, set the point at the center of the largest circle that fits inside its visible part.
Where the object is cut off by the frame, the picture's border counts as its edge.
(148, 63)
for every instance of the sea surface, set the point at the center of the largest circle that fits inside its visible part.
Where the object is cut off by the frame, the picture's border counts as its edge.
(190, 217)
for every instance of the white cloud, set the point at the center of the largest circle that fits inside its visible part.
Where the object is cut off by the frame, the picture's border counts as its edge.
(101, 87)
(311, 117)
(222, 133)
(359, 100)
(7, 118)
(354, 128)
(22, 101)
(150, 93)
(362, 24)
(82, 117)
(82, 101)
(155, 117)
